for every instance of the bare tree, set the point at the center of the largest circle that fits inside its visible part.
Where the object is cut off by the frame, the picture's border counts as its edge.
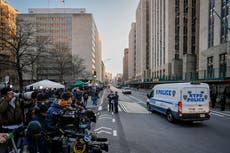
(33, 58)
(63, 59)
(24, 47)
(79, 69)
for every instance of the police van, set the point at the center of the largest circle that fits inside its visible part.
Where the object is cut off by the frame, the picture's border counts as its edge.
(181, 101)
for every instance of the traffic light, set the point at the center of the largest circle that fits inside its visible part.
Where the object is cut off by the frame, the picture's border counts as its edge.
(94, 74)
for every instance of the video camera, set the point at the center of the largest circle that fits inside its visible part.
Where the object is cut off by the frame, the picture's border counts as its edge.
(25, 95)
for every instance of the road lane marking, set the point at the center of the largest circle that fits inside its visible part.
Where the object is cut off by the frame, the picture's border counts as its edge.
(212, 113)
(105, 115)
(113, 120)
(119, 108)
(220, 113)
(123, 107)
(103, 127)
(115, 133)
(104, 118)
(103, 131)
(132, 107)
(99, 108)
(138, 100)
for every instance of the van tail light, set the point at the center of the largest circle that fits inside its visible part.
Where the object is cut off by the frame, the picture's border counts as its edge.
(209, 105)
(180, 108)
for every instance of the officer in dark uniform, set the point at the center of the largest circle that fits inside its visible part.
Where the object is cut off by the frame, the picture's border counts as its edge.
(110, 98)
(115, 99)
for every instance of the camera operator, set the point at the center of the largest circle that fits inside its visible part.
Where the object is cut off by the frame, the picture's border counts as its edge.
(56, 109)
(52, 121)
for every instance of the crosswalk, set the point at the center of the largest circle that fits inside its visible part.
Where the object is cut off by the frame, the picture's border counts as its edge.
(130, 107)
(220, 114)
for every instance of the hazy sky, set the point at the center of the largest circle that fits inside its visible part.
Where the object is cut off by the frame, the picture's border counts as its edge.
(113, 19)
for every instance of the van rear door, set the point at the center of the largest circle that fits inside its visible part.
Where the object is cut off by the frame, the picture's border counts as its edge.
(195, 100)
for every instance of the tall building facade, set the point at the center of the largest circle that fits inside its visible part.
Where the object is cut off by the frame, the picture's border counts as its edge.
(73, 27)
(143, 40)
(132, 52)
(125, 64)
(7, 28)
(174, 38)
(214, 61)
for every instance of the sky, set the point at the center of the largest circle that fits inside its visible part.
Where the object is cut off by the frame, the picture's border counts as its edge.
(112, 17)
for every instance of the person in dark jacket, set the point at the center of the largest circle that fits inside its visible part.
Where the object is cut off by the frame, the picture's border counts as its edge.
(223, 100)
(213, 98)
(11, 109)
(110, 98)
(11, 114)
(115, 99)
(85, 97)
(56, 109)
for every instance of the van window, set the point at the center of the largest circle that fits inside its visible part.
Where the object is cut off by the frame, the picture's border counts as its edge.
(152, 93)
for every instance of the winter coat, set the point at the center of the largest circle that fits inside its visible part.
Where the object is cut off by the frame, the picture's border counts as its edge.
(9, 115)
(51, 114)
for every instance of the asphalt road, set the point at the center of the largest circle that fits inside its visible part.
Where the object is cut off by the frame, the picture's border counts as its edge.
(135, 130)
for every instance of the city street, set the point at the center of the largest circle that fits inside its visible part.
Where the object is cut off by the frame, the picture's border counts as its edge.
(135, 130)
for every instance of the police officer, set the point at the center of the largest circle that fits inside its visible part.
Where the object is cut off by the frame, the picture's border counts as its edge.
(115, 99)
(110, 98)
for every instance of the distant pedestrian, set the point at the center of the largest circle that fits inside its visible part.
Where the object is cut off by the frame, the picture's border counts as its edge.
(223, 99)
(115, 99)
(94, 98)
(85, 97)
(213, 98)
(110, 98)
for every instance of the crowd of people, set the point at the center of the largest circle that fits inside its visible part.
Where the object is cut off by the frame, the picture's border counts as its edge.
(37, 113)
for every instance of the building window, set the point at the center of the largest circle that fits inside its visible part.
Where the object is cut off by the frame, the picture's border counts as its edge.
(210, 70)
(223, 63)
(224, 20)
(211, 23)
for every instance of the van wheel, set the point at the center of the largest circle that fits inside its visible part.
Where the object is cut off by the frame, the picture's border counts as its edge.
(170, 117)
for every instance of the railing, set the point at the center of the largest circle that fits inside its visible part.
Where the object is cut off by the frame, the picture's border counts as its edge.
(223, 73)
(203, 75)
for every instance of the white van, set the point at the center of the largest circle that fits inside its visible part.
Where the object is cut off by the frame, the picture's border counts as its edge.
(181, 101)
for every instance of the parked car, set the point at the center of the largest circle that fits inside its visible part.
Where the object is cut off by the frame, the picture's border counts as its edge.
(126, 90)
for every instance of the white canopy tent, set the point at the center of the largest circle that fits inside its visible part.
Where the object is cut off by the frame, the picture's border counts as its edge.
(45, 84)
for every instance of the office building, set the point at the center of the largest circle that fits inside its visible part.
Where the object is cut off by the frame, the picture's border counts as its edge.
(72, 27)
(132, 52)
(125, 64)
(214, 63)
(174, 39)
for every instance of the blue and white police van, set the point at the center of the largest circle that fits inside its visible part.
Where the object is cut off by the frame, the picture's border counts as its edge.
(181, 101)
